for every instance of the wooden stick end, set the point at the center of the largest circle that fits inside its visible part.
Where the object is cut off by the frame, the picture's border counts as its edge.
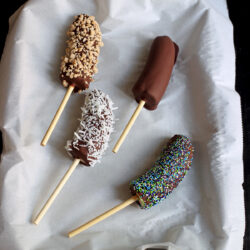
(70, 235)
(115, 150)
(35, 222)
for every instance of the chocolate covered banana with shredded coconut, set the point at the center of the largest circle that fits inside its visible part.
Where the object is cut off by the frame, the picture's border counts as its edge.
(96, 124)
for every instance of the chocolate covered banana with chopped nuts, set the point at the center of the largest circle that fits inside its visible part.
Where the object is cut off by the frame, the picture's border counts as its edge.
(80, 61)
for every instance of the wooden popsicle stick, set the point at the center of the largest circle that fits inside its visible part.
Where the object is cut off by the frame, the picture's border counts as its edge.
(128, 126)
(103, 216)
(57, 116)
(56, 191)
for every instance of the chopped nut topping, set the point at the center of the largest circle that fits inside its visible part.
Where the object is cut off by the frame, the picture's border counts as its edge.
(84, 44)
(65, 84)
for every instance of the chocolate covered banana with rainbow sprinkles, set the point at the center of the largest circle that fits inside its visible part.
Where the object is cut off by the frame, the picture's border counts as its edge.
(157, 183)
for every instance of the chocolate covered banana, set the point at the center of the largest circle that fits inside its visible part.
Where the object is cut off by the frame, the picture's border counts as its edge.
(153, 81)
(79, 64)
(157, 183)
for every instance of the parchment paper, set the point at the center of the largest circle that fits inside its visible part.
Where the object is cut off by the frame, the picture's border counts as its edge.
(205, 211)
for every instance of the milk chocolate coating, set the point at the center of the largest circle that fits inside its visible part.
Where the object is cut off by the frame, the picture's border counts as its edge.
(155, 77)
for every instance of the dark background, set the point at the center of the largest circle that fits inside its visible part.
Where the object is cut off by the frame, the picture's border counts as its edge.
(238, 13)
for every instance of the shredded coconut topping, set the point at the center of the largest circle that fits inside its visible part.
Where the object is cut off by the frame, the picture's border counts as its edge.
(96, 125)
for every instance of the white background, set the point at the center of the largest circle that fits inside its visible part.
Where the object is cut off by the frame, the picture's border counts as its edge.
(205, 212)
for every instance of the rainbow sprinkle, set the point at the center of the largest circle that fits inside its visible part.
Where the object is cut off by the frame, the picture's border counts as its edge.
(168, 171)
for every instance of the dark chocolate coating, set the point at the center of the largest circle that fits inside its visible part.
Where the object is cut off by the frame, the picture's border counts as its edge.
(155, 77)
(81, 151)
(79, 83)
(81, 154)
